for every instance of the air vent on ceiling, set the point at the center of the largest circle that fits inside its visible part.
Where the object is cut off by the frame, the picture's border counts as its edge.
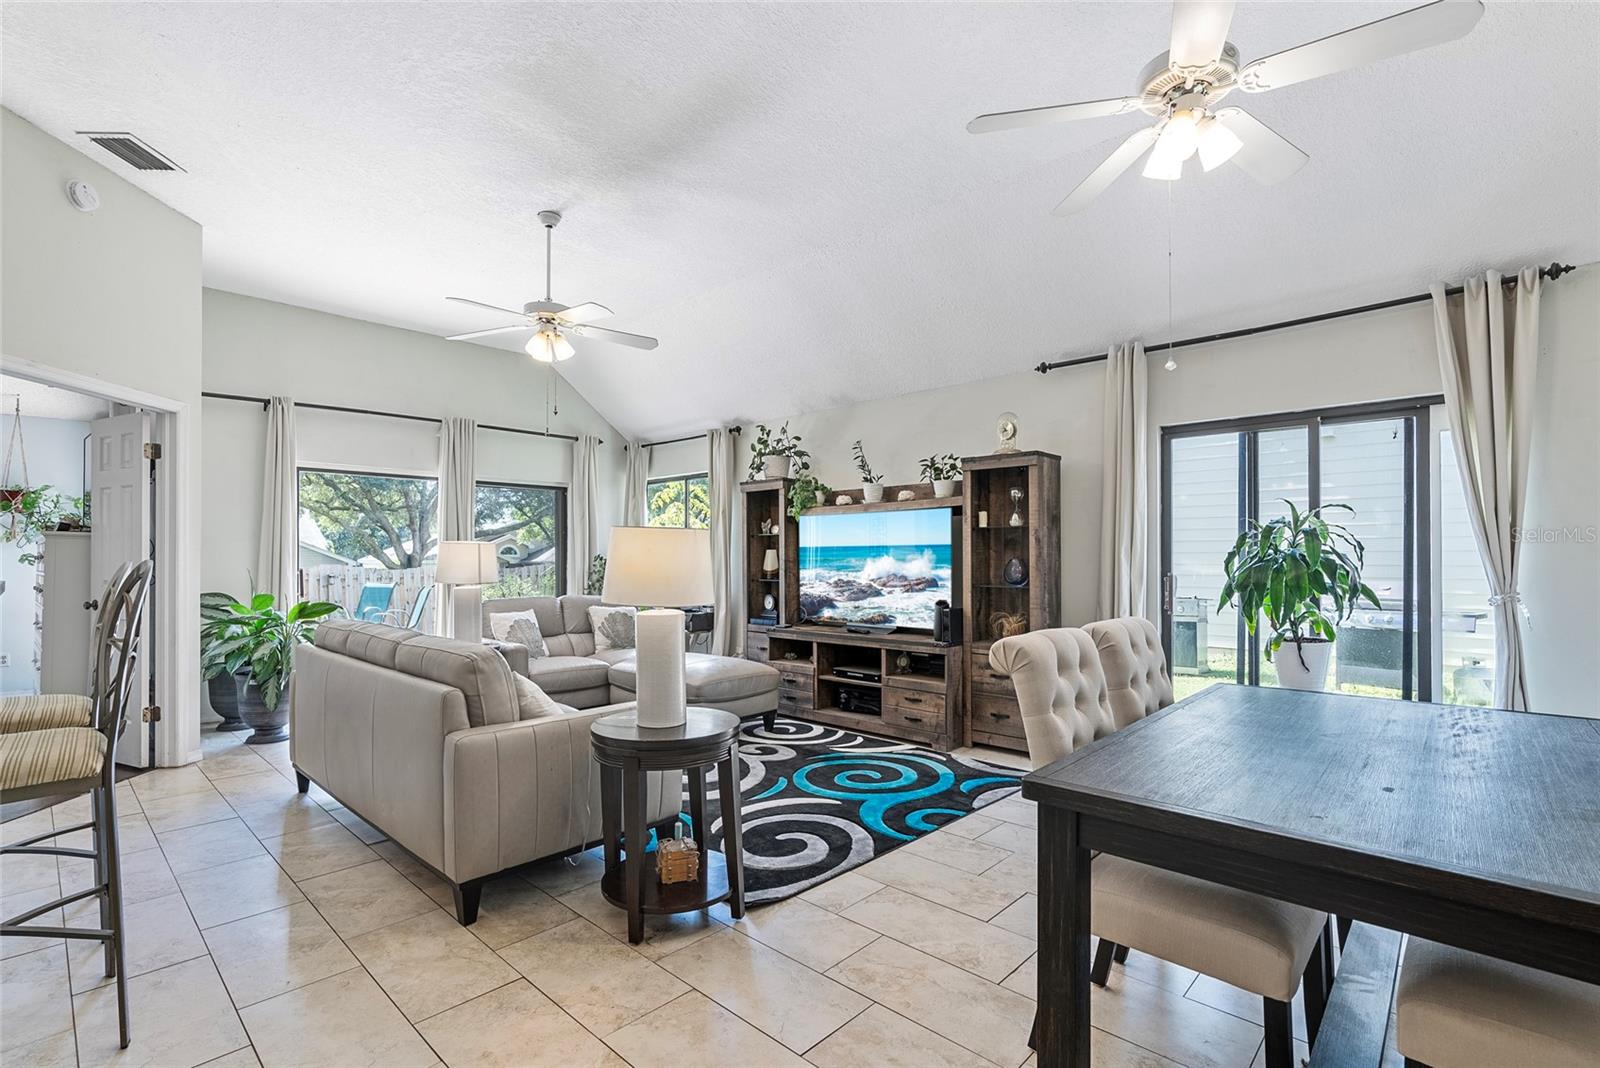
(130, 150)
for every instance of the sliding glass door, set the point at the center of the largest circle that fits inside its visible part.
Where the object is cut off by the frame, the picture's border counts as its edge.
(1217, 477)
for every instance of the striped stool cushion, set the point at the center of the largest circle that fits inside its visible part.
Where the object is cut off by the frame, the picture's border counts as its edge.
(60, 754)
(43, 712)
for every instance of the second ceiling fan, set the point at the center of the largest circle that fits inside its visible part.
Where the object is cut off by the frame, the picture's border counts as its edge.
(1182, 87)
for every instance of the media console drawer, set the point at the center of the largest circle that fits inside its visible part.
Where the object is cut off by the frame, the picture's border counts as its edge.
(988, 680)
(993, 714)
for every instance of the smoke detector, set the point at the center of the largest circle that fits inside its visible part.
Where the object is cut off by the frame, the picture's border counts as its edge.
(82, 195)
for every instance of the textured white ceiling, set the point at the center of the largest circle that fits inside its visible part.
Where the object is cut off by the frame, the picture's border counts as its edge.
(785, 194)
(40, 401)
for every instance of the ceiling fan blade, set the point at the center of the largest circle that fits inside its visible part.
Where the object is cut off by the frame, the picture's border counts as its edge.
(470, 334)
(1086, 109)
(602, 333)
(584, 313)
(1263, 154)
(1102, 176)
(1409, 31)
(1199, 30)
(481, 304)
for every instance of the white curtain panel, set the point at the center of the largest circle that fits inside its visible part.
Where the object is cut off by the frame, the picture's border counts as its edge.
(634, 506)
(1489, 366)
(457, 479)
(1124, 537)
(726, 562)
(582, 542)
(277, 561)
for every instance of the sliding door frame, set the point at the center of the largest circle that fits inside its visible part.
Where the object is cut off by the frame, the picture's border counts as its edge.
(1417, 672)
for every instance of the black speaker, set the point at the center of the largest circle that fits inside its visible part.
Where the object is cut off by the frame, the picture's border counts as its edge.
(946, 623)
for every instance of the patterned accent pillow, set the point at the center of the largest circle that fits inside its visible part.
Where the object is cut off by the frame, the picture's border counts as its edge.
(613, 627)
(522, 628)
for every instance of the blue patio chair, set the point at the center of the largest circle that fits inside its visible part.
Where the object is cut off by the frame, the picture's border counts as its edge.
(374, 602)
(414, 619)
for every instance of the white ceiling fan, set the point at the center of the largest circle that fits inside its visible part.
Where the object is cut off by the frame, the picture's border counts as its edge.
(1182, 87)
(551, 322)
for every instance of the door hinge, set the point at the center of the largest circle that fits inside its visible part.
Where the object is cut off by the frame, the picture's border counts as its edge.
(152, 450)
(152, 714)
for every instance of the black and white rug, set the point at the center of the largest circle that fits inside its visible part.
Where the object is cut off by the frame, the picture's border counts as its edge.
(818, 801)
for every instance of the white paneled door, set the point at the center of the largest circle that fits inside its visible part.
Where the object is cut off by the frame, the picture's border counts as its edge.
(120, 525)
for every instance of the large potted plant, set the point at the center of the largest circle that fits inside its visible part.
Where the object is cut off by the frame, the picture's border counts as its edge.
(222, 685)
(257, 642)
(776, 453)
(1302, 575)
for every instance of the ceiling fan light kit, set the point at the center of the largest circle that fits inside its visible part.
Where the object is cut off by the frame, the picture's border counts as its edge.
(1182, 87)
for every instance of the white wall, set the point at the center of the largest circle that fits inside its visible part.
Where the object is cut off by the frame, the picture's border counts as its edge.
(55, 458)
(261, 348)
(1381, 356)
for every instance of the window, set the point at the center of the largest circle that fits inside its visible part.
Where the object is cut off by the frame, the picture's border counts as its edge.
(679, 502)
(364, 539)
(528, 525)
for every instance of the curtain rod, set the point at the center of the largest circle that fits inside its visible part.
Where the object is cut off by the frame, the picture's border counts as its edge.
(674, 441)
(391, 415)
(1552, 272)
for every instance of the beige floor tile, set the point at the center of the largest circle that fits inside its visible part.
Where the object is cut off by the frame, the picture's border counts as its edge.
(239, 1058)
(1017, 874)
(511, 910)
(343, 1020)
(601, 982)
(28, 871)
(1240, 1003)
(265, 784)
(144, 875)
(277, 816)
(430, 963)
(20, 902)
(502, 1029)
(133, 835)
(887, 1040)
(842, 891)
(1014, 837)
(973, 826)
(565, 874)
(1108, 1051)
(953, 937)
(1013, 809)
(15, 830)
(187, 809)
(364, 898)
(180, 1016)
(812, 935)
(57, 1051)
(1173, 1026)
(160, 932)
(1006, 758)
(1025, 980)
(169, 782)
(75, 810)
(971, 1012)
(1155, 971)
(208, 845)
(416, 872)
(966, 854)
(356, 825)
(233, 762)
(318, 851)
(1302, 1055)
(233, 891)
(696, 1030)
(662, 934)
(1020, 917)
(271, 953)
(934, 882)
(787, 1000)
(35, 998)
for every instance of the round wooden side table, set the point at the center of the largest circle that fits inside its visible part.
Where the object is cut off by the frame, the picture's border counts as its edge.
(627, 752)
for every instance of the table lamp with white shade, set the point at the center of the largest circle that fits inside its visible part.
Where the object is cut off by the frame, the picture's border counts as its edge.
(466, 567)
(660, 569)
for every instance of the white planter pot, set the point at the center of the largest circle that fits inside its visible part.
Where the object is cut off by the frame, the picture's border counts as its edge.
(872, 492)
(776, 466)
(944, 487)
(1303, 667)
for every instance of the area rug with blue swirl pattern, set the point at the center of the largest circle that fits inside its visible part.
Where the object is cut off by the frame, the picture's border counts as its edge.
(818, 801)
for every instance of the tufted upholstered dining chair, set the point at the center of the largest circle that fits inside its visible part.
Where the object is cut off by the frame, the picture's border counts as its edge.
(1252, 942)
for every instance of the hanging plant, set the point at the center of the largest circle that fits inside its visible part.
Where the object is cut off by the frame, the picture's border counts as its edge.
(31, 513)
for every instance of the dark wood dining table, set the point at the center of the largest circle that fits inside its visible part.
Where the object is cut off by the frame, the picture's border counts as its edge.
(1475, 827)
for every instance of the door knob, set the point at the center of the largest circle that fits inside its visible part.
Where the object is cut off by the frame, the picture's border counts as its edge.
(90, 606)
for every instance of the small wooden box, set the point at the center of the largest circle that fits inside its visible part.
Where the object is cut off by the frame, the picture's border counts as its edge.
(677, 861)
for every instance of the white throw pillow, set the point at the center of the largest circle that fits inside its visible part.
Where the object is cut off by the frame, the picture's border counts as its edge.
(522, 628)
(532, 702)
(613, 627)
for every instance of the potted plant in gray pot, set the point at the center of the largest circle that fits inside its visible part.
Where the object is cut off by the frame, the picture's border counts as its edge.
(222, 685)
(257, 642)
(1289, 571)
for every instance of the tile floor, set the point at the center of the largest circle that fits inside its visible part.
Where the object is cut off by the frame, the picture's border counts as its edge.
(271, 928)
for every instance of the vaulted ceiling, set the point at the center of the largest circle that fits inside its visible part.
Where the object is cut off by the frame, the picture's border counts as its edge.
(785, 193)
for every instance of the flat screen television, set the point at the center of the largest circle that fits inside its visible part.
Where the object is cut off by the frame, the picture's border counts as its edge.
(876, 567)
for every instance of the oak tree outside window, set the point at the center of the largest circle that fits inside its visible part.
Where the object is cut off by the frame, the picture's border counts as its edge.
(683, 501)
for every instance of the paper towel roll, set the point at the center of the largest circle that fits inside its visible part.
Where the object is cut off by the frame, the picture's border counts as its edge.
(658, 635)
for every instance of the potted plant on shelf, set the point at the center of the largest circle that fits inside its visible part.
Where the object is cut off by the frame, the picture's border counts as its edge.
(808, 492)
(942, 472)
(256, 642)
(776, 454)
(871, 484)
(1285, 570)
(31, 513)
